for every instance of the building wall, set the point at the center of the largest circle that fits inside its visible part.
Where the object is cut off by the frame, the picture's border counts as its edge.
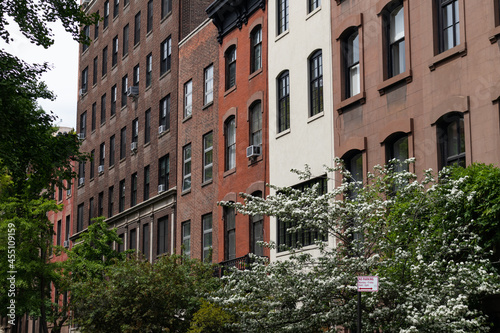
(309, 140)
(197, 52)
(462, 79)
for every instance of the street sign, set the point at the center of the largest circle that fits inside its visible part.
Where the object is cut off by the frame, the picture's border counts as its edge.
(367, 283)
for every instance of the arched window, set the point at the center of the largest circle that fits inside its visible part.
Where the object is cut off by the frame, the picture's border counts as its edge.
(316, 83)
(230, 233)
(396, 147)
(230, 57)
(351, 63)
(256, 44)
(256, 124)
(451, 139)
(230, 140)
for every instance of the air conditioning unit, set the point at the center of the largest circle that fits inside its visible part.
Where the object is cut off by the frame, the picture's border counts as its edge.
(66, 244)
(133, 91)
(83, 91)
(81, 180)
(162, 129)
(161, 188)
(100, 169)
(133, 146)
(253, 151)
(81, 136)
(85, 2)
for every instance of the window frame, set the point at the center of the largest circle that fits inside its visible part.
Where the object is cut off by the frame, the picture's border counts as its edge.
(207, 230)
(283, 85)
(442, 135)
(85, 80)
(186, 167)
(164, 114)
(316, 100)
(208, 92)
(149, 69)
(256, 49)
(102, 153)
(162, 240)
(147, 182)
(440, 8)
(313, 5)
(149, 25)
(114, 97)
(106, 15)
(166, 8)
(230, 66)
(229, 144)
(94, 71)
(135, 130)
(111, 201)
(188, 99)
(147, 126)
(164, 172)
(123, 143)
(208, 152)
(186, 238)
(255, 132)
(114, 55)
(121, 196)
(125, 40)
(103, 108)
(93, 117)
(283, 16)
(112, 143)
(256, 221)
(229, 215)
(166, 55)
(137, 28)
(79, 218)
(133, 189)
(104, 69)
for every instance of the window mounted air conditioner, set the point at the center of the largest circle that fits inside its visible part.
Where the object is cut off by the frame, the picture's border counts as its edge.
(100, 169)
(253, 151)
(133, 91)
(162, 129)
(81, 136)
(66, 244)
(133, 146)
(161, 188)
(83, 91)
(81, 180)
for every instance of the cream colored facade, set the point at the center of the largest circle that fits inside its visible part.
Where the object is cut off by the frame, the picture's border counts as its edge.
(309, 140)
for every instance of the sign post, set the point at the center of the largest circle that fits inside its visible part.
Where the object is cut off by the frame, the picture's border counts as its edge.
(365, 284)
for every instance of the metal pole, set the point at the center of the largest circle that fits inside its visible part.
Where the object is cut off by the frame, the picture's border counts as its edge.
(359, 313)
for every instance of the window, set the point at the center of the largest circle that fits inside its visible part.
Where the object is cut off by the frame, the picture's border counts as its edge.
(397, 148)
(207, 236)
(116, 7)
(133, 189)
(150, 16)
(230, 138)
(230, 57)
(86, 32)
(104, 69)
(100, 204)
(166, 7)
(282, 16)
(302, 237)
(186, 168)
(85, 79)
(351, 60)
(165, 112)
(58, 233)
(60, 194)
(96, 28)
(395, 34)
(137, 28)
(166, 55)
(186, 238)
(81, 173)
(256, 124)
(149, 69)
(208, 146)
(230, 233)
(125, 3)
(79, 218)
(94, 72)
(68, 232)
(188, 99)
(106, 14)
(162, 235)
(448, 24)
(316, 83)
(93, 119)
(103, 109)
(112, 150)
(92, 162)
(135, 81)
(163, 171)
(91, 210)
(147, 126)
(135, 130)
(283, 102)
(256, 55)
(121, 243)
(257, 230)
(354, 164)
(110, 201)
(124, 90)
(132, 243)
(209, 85)
(313, 4)
(451, 140)
(83, 124)
(125, 40)
(145, 241)
(123, 143)
(121, 198)
(114, 56)
(146, 183)
(102, 153)
(113, 99)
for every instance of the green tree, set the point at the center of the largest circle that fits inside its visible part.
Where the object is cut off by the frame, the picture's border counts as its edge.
(412, 234)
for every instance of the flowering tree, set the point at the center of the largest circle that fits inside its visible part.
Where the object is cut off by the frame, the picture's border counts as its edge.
(412, 234)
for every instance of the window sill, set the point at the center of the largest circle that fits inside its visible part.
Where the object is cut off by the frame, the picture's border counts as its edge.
(105, 75)
(103, 123)
(124, 56)
(494, 35)
(162, 134)
(187, 118)
(405, 76)
(149, 33)
(123, 160)
(255, 160)
(229, 172)
(111, 167)
(165, 74)
(91, 180)
(137, 44)
(114, 66)
(147, 144)
(112, 116)
(166, 17)
(94, 85)
(86, 51)
(338, 2)
(316, 116)
(123, 107)
(230, 90)
(185, 192)
(281, 35)
(93, 132)
(459, 50)
(207, 182)
(81, 185)
(283, 133)
(359, 98)
(206, 106)
(311, 14)
(116, 17)
(254, 74)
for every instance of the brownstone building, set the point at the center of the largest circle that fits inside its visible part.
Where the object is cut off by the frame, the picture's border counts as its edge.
(242, 128)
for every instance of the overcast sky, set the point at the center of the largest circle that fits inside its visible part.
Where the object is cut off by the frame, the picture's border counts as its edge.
(62, 78)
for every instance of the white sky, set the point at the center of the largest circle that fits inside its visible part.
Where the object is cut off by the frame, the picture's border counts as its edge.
(62, 79)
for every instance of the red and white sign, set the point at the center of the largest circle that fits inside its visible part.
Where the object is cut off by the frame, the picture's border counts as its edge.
(367, 283)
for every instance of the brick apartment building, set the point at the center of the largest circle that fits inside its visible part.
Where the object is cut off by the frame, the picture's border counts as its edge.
(242, 128)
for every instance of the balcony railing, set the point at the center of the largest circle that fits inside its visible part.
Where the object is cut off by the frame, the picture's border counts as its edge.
(240, 263)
